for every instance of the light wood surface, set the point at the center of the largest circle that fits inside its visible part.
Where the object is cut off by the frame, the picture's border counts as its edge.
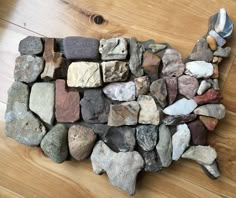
(26, 172)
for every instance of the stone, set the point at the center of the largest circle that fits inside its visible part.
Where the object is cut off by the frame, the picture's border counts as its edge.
(61, 72)
(211, 42)
(146, 136)
(211, 22)
(211, 96)
(42, 101)
(122, 91)
(81, 141)
(67, 103)
(215, 71)
(179, 119)
(55, 143)
(113, 49)
(212, 171)
(80, 48)
(204, 86)
(120, 139)
(20, 123)
(215, 84)
(188, 86)
(199, 69)
(151, 64)
(219, 40)
(172, 89)
(125, 113)
(30, 45)
(28, 68)
(147, 43)
(113, 71)
(223, 52)
(204, 155)
(53, 60)
(217, 60)
(84, 75)
(180, 141)
(157, 47)
(135, 62)
(164, 146)
(159, 91)
(181, 107)
(149, 112)
(142, 85)
(172, 63)
(209, 123)
(94, 106)
(211, 110)
(122, 168)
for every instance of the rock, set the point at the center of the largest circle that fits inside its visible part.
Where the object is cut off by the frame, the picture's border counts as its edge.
(172, 89)
(211, 22)
(67, 103)
(179, 119)
(124, 91)
(30, 45)
(215, 71)
(159, 91)
(219, 40)
(113, 49)
(212, 171)
(211, 42)
(81, 141)
(215, 84)
(120, 139)
(80, 48)
(149, 113)
(217, 60)
(114, 71)
(135, 62)
(209, 123)
(142, 85)
(146, 136)
(146, 43)
(121, 168)
(199, 69)
(172, 63)
(204, 86)
(180, 141)
(188, 86)
(204, 155)
(20, 123)
(164, 146)
(42, 101)
(54, 143)
(212, 110)
(157, 47)
(94, 106)
(198, 133)
(151, 64)
(124, 114)
(181, 107)
(223, 52)
(61, 72)
(211, 96)
(28, 68)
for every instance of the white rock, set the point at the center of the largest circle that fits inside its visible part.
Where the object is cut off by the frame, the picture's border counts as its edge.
(199, 69)
(212, 170)
(204, 86)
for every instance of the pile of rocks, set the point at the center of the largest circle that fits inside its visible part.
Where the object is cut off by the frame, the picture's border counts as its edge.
(143, 105)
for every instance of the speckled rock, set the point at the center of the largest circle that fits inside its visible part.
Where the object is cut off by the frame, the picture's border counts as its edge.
(142, 85)
(204, 86)
(188, 86)
(223, 52)
(211, 96)
(199, 69)
(159, 91)
(31, 45)
(210, 123)
(179, 119)
(212, 110)
(172, 89)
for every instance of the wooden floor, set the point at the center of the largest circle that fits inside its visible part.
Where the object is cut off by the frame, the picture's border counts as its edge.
(26, 172)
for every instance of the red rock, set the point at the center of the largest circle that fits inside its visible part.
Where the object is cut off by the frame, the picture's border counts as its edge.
(211, 96)
(172, 88)
(198, 133)
(188, 86)
(210, 123)
(67, 105)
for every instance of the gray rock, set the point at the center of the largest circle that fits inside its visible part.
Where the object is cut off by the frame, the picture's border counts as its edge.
(157, 47)
(142, 85)
(212, 171)
(223, 52)
(203, 87)
(179, 119)
(188, 86)
(31, 45)
(147, 43)
(220, 41)
(159, 91)
(172, 88)
(212, 110)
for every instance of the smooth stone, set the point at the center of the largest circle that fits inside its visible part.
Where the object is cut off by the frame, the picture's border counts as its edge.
(204, 155)
(199, 69)
(42, 101)
(121, 168)
(149, 112)
(212, 171)
(125, 113)
(81, 141)
(28, 68)
(157, 47)
(215, 71)
(214, 83)
(198, 133)
(211, 96)
(164, 146)
(67, 103)
(84, 75)
(219, 40)
(211, 110)
(223, 52)
(159, 91)
(179, 119)
(180, 141)
(113, 49)
(209, 123)
(211, 42)
(142, 85)
(30, 45)
(94, 106)
(172, 89)
(122, 91)
(203, 87)
(188, 86)
(55, 143)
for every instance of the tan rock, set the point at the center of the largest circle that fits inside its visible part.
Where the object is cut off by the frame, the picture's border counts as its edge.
(215, 71)
(142, 85)
(211, 42)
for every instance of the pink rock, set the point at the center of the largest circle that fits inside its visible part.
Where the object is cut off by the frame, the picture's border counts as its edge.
(188, 86)
(211, 96)
(172, 88)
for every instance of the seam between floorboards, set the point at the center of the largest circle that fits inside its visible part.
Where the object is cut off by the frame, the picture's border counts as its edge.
(228, 74)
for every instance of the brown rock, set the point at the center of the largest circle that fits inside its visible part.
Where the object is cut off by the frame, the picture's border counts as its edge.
(142, 85)
(210, 123)
(172, 88)
(211, 42)
(188, 86)
(211, 96)
(198, 133)
(159, 91)
(215, 71)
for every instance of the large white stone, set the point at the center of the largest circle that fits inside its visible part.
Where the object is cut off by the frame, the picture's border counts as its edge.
(199, 69)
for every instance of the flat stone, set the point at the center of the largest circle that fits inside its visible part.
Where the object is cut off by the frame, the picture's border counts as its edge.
(84, 75)
(55, 143)
(124, 91)
(179, 119)
(30, 45)
(124, 114)
(149, 112)
(121, 168)
(219, 40)
(67, 103)
(81, 141)
(142, 85)
(172, 89)
(94, 106)
(211, 96)
(157, 47)
(211, 42)
(204, 86)
(113, 49)
(223, 52)
(113, 71)
(215, 71)
(188, 86)
(42, 101)
(212, 171)
(159, 91)
(199, 69)
(209, 123)
(28, 68)
(211, 110)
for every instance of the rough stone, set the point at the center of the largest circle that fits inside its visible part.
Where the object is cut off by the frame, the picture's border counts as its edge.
(214, 83)
(142, 85)
(211, 42)
(223, 52)
(188, 86)
(215, 71)
(179, 119)
(159, 91)
(172, 89)
(212, 110)
(211, 96)
(31, 45)
(219, 40)
(204, 86)
(209, 123)
(212, 171)
(199, 69)
(157, 47)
